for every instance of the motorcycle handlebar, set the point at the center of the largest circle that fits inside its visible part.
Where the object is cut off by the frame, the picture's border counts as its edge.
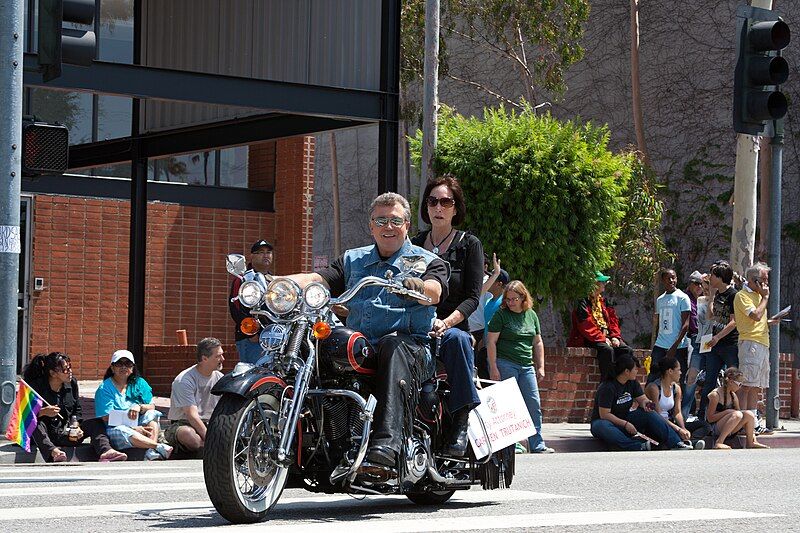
(392, 285)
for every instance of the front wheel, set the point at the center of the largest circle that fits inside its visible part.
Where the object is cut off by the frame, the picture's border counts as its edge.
(242, 478)
(430, 498)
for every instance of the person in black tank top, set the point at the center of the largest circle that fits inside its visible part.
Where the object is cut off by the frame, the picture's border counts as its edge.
(723, 412)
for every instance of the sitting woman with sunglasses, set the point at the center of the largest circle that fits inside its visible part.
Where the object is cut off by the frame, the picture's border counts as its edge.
(724, 415)
(444, 208)
(123, 389)
(51, 377)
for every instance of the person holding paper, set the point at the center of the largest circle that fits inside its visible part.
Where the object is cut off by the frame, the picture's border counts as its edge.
(750, 310)
(50, 376)
(723, 343)
(515, 350)
(123, 400)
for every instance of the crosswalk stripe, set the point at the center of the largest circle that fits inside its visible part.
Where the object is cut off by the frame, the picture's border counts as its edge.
(72, 468)
(196, 508)
(99, 489)
(94, 477)
(522, 521)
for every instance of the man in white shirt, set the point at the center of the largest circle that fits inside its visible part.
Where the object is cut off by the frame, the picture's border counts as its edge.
(191, 401)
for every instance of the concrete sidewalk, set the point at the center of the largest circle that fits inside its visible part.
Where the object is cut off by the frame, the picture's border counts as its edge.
(562, 437)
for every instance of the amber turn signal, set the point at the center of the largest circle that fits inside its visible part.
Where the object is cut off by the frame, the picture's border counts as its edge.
(249, 326)
(321, 330)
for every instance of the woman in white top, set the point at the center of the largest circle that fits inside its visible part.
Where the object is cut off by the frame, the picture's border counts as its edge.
(665, 393)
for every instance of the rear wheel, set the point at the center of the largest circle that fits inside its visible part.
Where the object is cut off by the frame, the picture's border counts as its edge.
(430, 498)
(242, 478)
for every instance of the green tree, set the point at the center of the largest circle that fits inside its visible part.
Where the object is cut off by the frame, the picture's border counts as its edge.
(548, 197)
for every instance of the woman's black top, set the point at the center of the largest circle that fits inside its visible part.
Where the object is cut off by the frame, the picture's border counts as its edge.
(66, 398)
(465, 256)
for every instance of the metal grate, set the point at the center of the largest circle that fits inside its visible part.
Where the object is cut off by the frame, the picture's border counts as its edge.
(45, 149)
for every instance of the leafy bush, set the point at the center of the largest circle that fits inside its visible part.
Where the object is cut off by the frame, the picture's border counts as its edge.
(547, 196)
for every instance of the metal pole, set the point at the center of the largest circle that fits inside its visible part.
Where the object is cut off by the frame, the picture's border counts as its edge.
(11, 54)
(773, 402)
(430, 102)
(388, 128)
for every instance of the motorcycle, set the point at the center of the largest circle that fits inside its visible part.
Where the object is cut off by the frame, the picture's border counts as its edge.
(300, 417)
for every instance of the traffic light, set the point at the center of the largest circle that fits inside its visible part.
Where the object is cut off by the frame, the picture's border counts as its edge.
(45, 148)
(760, 69)
(65, 45)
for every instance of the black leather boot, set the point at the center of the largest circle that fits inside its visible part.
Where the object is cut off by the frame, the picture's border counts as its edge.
(457, 445)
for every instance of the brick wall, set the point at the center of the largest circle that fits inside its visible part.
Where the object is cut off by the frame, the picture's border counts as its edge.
(572, 378)
(567, 392)
(165, 362)
(80, 248)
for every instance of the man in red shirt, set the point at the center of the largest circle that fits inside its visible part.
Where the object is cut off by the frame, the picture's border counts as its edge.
(595, 325)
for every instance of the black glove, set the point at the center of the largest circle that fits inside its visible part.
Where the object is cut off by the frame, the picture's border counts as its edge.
(414, 284)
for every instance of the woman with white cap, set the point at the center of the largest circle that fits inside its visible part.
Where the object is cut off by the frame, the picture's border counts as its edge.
(123, 389)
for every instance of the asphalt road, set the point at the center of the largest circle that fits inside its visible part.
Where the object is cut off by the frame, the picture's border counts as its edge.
(737, 490)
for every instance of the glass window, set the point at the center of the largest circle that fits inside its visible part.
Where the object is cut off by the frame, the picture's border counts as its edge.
(115, 41)
(74, 110)
(233, 167)
(194, 169)
(119, 170)
(114, 117)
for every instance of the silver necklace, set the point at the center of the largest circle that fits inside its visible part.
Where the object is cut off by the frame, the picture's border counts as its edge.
(436, 246)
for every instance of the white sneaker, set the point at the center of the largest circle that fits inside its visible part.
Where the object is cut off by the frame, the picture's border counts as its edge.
(152, 455)
(700, 444)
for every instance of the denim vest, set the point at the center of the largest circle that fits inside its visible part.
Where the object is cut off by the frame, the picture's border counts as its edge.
(376, 312)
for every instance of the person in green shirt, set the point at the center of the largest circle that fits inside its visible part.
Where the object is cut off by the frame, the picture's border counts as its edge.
(514, 348)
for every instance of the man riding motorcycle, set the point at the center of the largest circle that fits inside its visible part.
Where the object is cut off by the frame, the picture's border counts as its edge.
(398, 328)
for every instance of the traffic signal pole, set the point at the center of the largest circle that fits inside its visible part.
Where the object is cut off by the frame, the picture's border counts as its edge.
(11, 55)
(743, 229)
(773, 401)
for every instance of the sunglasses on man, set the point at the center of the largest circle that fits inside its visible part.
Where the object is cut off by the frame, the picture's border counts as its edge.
(394, 221)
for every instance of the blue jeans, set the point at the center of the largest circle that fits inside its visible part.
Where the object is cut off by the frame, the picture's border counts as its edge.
(458, 357)
(698, 361)
(718, 358)
(651, 424)
(249, 352)
(528, 386)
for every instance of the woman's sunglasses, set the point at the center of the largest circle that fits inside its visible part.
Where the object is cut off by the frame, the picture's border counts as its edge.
(123, 364)
(444, 201)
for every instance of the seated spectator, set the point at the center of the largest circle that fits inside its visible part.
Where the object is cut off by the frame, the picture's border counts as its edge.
(124, 389)
(615, 420)
(724, 414)
(595, 325)
(51, 377)
(665, 395)
(191, 401)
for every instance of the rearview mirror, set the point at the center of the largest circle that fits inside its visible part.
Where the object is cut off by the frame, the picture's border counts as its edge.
(236, 264)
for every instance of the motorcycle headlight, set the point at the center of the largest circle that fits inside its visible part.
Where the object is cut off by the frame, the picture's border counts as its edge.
(251, 293)
(282, 296)
(316, 295)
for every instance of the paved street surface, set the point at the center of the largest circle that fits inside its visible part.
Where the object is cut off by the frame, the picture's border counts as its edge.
(738, 490)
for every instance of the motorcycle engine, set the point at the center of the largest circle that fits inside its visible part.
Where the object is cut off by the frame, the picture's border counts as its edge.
(416, 461)
(341, 424)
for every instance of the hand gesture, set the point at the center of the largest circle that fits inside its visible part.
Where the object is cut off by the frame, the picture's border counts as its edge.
(494, 374)
(763, 290)
(439, 327)
(133, 412)
(540, 372)
(615, 342)
(495, 264)
(714, 340)
(413, 284)
(631, 429)
(684, 434)
(78, 437)
(49, 410)
(671, 352)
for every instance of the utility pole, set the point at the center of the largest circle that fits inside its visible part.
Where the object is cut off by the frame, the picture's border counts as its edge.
(773, 402)
(11, 54)
(743, 229)
(430, 105)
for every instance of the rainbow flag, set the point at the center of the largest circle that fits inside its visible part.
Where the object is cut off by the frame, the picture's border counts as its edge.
(23, 416)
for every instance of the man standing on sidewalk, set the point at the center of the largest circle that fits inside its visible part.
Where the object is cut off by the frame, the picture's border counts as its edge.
(673, 309)
(750, 310)
(260, 261)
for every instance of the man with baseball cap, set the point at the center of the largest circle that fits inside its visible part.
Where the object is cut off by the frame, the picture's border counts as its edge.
(260, 261)
(595, 325)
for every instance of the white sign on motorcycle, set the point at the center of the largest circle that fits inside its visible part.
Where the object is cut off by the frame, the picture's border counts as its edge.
(505, 418)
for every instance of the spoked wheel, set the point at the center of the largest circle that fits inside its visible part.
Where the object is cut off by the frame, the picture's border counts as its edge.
(242, 478)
